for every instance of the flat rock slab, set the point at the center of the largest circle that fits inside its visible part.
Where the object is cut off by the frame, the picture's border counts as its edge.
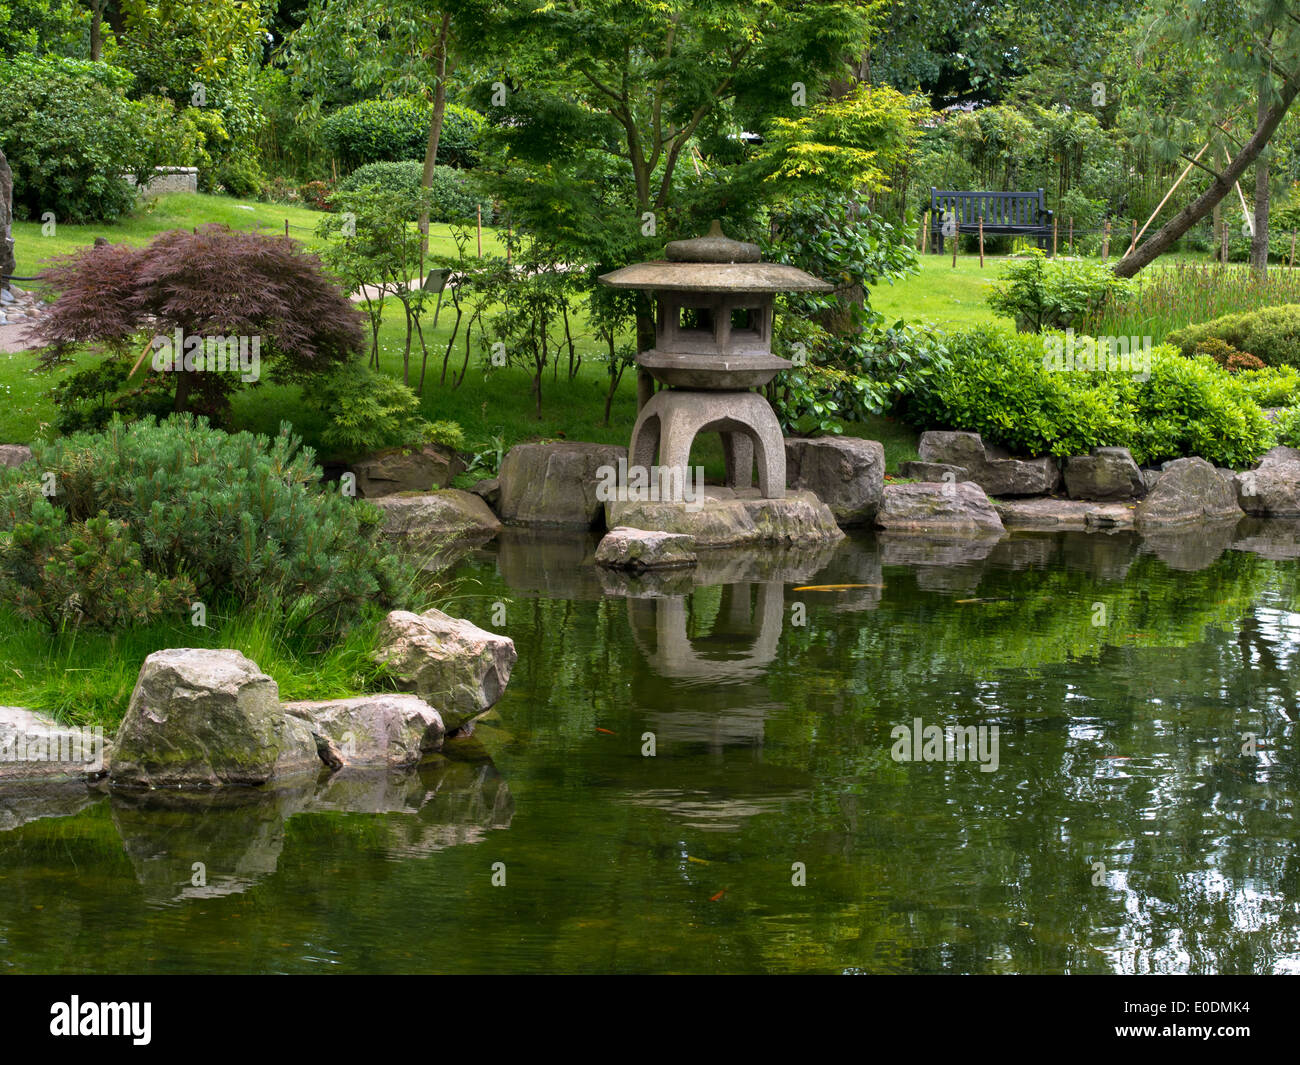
(554, 484)
(845, 473)
(450, 663)
(947, 509)
(450, 513)
(419, 469)
(726, 518)
(34, 747)
(372, 730)
(642, 549)
(1064, 514)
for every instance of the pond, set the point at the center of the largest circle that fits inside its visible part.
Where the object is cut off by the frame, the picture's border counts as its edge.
(717, 772)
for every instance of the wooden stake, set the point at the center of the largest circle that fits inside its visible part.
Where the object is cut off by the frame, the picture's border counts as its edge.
(1172, 189)
(956, 239)
(1055, 225)
(1071, 234)
(1291, 266)
(480, 231)
(147, 345)
(1105, 242)
(925, 229)
(981, 242)
(1134, 242)
(286, 229)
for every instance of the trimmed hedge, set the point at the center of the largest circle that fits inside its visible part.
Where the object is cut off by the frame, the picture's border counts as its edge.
(1271, 334)
(374, 131)
(453, 199)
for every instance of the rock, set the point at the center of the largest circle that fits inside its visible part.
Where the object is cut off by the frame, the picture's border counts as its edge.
(1019, 477)
(728, 517)
(207, 718)
(406, 470)
(1281, 453)
(846, 474)
(450, 663)
(14, 454)
(450, 513)
(1062, 514)
(1190, 547)
(947, 509)
(639, 549)
(554, 484)
(933, 471)
(1109, 473)
(1188, 490)
(36, 748)
(1272, 490)
(488, 490)
(1277, 539)
(952, 449)
(370, 730)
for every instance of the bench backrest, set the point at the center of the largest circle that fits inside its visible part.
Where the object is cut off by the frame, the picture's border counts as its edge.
(996, 208)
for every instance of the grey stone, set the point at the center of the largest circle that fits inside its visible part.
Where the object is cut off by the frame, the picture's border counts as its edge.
(947, 509)
(450, 513)
(488, 490)
(1109, 473)
(1188, 490)
(1272, 490)
(7, 263)
(36, 748)
(845, 473)
(390, 730)
(450, 663)
(421, 469)
(1064, 514)
(639, 549)
(933, 471)
(554, 484)
(1149, 477)
(952, 449)
(207, 718)
(14, 454)
(899, 548)
(725, 518)
(1019, 477)
(1278, 454)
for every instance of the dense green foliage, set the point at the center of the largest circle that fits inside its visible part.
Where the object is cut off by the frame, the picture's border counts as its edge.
(1039, 293)
(120, 526)
(451, 198)
(370, 411)
(1000, 385)
(393, 130)
(1270, 333)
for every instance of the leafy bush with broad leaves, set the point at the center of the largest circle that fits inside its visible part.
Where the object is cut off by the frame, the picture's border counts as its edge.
(1287, 427)
(1270, 333)
(180, 510)
(1000, 385)
(375, 131)
(1273, 386)
(369, 411)
(1039, 293)
(70, 134)
(450, 197)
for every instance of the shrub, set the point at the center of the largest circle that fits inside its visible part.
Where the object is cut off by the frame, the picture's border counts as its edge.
(1041, 294)
(1287, 427)
(451, 198)
(181, 508)
(69, 134)
(317, 194)
(391, 130)
(1273, 386)
(999, 385)
(369, 411)
(1270, 333)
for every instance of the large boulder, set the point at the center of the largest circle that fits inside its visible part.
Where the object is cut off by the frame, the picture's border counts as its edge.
(641, 549)
(419, 469)
(1188, 490)
(992, 468)
(14, 454)
(730, 517)
(933, 471)
(1272, 490)
(36, 748)
(451, 513)
(948, 509)
(1108, 474)
(450, 663)
(846, 474)
(554, 484)
(1019, 477)
(372, 730)
(952, 449)
(207, 718)
(7, 263)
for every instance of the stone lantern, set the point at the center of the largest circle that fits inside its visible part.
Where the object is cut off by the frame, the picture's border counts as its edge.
(713, 344)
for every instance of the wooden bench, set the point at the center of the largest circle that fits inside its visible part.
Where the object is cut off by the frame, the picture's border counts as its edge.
(1016, 214)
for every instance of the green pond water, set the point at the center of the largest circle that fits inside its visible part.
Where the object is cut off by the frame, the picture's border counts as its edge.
(1125, 679)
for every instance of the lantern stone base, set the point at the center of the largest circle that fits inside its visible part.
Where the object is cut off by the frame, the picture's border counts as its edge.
(728, 517)
(670, 422)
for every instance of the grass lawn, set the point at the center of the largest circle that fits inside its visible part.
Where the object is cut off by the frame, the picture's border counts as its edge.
(947, 296)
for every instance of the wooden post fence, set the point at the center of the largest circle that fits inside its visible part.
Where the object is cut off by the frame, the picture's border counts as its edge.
(981, 242)
(1072, 234)
(1105, 242)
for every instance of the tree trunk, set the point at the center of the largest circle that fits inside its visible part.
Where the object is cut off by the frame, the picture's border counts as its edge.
(1259, 241)
(1163, 240)
(435, 120)
(96, 30)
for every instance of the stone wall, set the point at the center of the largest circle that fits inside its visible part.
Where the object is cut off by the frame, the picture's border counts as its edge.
(169, 179)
